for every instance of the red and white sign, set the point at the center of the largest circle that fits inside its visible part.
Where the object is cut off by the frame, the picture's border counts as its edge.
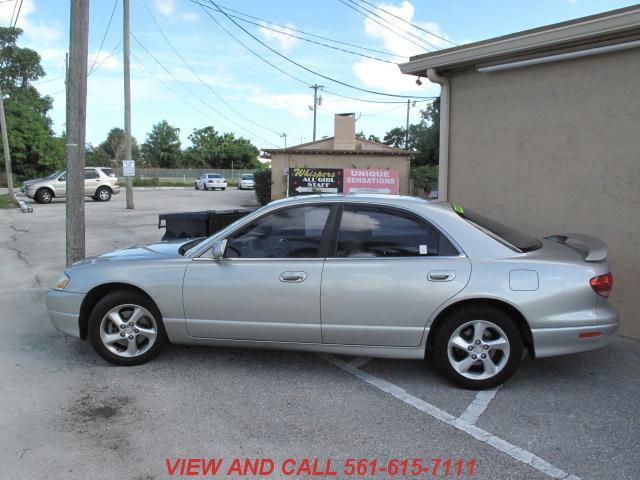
(371, 180)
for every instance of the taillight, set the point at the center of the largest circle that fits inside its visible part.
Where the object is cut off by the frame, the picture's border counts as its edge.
(602, 284)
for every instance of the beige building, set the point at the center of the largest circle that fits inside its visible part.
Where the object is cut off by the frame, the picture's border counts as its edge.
(342, 151)
(541, 129)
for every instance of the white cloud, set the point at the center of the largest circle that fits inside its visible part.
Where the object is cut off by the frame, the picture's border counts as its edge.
(105, 61)
(387, 76)
(35, 30)
(167, 8)
(297, 104)
(286, 42)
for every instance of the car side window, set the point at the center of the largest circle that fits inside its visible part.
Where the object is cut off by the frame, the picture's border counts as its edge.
(367, 231)
(90, 174)
(294, 232)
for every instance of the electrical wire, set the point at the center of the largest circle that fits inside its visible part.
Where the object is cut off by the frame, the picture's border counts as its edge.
(326, 77)
(15, 22)
(380, 113)
(202, 81)
(421, 99)
(115, 4)
(356, 7)
(382, 52)
(409, 23)
(194, 94)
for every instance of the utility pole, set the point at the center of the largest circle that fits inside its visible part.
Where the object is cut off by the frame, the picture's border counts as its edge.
(5, 146)
(406, 130)
(76, 127)
(284, 135)
(127, 99)
(315, 107)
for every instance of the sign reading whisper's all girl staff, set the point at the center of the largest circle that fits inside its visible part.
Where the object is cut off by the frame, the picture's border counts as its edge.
(315, 180)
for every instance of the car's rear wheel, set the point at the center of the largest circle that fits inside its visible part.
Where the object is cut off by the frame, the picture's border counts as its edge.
(195, 185)
(478, 347)
(43, 195)
(126, 329)
(103, 194)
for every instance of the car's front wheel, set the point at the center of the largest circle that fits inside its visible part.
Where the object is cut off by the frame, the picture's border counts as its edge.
(43, 195)
(126, 329)
(478, 347)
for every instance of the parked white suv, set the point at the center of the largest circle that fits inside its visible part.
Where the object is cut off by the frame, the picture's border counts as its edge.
(99, 183)
(210, 181)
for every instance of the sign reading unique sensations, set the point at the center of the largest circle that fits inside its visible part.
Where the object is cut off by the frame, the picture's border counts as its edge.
(371, 180)
(315, 180)
(128, 168)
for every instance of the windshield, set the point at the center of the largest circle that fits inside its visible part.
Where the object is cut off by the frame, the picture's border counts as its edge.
(54, 175)
(247, 177)
(499, 231)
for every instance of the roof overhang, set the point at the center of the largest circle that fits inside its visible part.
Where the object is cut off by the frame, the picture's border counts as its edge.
(613, 27)
(306, 151)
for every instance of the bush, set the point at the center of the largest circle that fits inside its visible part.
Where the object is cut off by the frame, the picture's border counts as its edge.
(425, 177)
(143, 182)
(263, 186)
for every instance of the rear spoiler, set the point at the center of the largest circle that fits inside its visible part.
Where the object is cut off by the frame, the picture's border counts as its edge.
(595, 250)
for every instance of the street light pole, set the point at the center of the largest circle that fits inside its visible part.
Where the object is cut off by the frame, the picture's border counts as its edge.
(7, 155)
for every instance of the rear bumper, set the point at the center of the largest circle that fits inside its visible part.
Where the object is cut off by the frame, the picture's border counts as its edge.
(115, 189)
(64, 310)
(549, 342)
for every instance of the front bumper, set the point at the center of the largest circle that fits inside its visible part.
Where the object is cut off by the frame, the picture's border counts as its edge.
(64, 310)
(550, 342)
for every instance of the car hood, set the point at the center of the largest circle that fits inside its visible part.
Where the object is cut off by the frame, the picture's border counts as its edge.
(34, 180)
(167, 249)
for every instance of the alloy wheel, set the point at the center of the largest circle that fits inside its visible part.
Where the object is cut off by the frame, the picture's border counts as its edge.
(103, 195)
(128, 330)
(478, 349)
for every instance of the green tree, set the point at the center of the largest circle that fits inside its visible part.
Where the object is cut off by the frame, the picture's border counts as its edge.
(111, 151)
(371, 138)
(162, 146)
(210, 148)
(423, 139)
(35, 149)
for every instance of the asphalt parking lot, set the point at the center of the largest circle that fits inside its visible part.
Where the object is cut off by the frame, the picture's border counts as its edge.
(66, 413)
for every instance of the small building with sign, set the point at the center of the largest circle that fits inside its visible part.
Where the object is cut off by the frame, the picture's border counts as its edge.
(343, 163)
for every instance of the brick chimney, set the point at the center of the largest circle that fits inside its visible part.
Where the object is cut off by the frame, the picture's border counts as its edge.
(344, 132)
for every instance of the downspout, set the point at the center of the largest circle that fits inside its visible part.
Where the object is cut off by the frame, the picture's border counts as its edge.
(443, 159)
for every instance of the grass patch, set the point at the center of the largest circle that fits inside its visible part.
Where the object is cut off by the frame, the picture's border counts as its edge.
(5, 202)
(166, 182)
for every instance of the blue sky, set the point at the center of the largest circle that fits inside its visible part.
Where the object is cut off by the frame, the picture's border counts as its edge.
(264, 101)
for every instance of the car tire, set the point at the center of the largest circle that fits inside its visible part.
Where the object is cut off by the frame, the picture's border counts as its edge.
(134, 347)
(477, 347)
(195, 185)
(223, 188)
(103, 194)
(43, 195)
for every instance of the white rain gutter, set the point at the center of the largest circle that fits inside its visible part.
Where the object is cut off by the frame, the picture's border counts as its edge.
(561, 56)
(443, 158)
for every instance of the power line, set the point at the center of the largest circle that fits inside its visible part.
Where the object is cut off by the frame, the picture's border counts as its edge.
(310, 34)
(384, 111)
(403, 102)
(357, 8)
(114, 51)
(314, 41)
(115, 4)
(412, 24)
(49, 80)
(206, 8)
(198, 96)
(326, 77)
(202, 81)
(15, 22)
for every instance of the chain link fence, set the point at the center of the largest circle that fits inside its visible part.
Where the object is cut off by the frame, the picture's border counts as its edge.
(185, 175)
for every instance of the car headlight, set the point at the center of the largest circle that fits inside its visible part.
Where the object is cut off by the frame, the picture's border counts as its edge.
(62, 282)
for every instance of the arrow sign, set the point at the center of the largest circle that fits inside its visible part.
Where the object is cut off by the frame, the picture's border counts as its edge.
(316, 190)
(369, 190)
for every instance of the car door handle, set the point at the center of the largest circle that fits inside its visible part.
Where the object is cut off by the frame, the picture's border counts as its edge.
(293, 277)
(441, 276)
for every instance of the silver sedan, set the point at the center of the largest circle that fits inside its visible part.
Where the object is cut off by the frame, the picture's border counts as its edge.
(368, 275)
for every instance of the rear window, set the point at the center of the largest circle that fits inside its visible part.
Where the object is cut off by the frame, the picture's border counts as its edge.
(215, 175)
(500, 232)
(108, 172)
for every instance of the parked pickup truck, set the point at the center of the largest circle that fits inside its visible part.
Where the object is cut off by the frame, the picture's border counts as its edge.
(100, 183)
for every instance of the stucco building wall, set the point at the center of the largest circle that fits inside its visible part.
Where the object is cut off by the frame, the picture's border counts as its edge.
(282, 161)
(555, 148)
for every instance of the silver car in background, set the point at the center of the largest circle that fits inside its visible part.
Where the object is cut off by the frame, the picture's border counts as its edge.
(210, 181)
(367, 275)
(100, 183)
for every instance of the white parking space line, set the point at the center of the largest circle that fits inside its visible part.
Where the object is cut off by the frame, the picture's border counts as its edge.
(478, 433)
(360, 361)
(478, 406)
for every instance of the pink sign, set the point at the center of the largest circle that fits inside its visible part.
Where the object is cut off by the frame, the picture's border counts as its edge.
(370, 180)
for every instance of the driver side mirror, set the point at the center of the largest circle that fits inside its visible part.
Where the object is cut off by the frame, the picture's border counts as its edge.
(217, 251)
